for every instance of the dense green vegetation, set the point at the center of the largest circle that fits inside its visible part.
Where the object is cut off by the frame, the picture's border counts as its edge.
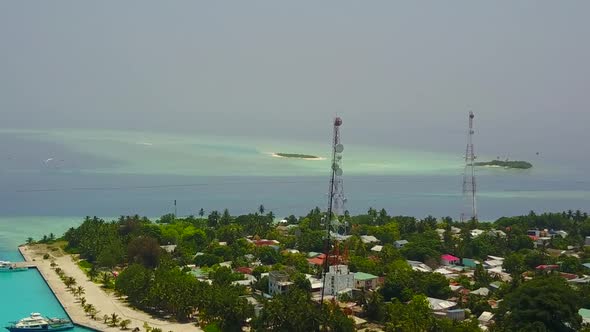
(507, 164)
(158, 282)
(296, 155)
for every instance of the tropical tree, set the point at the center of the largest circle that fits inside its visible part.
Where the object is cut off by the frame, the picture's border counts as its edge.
(201, 213)
(93, 273)
(30, 240)
(70, 282)
(124, 324)
(542, 304)
(80, 291)
(114, 319)
(261, 209)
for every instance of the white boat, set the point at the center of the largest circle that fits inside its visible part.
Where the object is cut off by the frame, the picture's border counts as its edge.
(6, 266)
(36, 322)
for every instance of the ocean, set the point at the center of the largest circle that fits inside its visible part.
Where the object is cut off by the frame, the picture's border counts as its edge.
(50, 180)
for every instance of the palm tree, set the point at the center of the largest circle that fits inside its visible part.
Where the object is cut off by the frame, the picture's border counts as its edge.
(80, 291)
(69, 282)
(30, 240)
(261, 209)
(82, 301)
(201, 213)
(105, 317)
(147, 327)
(124, 324)
(93, 273)
(114, 319)
(93, 312)
(106, 280)
(88, 307)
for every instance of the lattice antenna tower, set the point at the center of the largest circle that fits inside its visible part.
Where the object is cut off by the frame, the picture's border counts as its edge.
(336, 198)
(469, 184)
(337, 184)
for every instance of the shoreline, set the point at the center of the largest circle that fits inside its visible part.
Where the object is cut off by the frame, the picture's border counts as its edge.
(105, 303)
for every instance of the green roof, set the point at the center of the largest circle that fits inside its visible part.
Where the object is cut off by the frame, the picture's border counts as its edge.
(363, 276)
(585, 313)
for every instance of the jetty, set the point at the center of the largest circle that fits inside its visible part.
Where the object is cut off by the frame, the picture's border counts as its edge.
(105, 303)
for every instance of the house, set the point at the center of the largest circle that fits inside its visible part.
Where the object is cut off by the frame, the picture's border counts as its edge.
(247, 281)
(365, 281)
(313, 254)
(441, 305)
(492, 263)
(468, 262)
(585, 313)
(483, 291)
(369, 239)
(266, 243)
(400, 243)
(317, 260)
(338, 280)
(587, 242)
(447, 259)
(544, 267)
(169, 248)
(476, 232)
(586, 265)
(456, 314)
(316, 284)
(377, 248)
(257, 306)
(244, 270)
(419, 266)
(497, 233)
(485, 318)
(278, 282)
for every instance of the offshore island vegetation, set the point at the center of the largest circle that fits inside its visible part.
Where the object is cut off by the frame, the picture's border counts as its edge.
(226, 273)
(296, 156)
(517, 164)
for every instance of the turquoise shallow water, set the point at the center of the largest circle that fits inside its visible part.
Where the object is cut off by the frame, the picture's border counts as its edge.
(26, 292)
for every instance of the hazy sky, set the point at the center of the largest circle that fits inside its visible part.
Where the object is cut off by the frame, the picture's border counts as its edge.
(401, 73)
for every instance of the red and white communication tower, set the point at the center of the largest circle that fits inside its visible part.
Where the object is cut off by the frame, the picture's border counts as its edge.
(469, 186)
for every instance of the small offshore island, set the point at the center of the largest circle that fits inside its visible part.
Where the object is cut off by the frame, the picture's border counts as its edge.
(517, 164)
(296, 156)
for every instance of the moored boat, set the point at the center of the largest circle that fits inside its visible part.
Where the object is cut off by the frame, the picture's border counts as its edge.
(36, 322)
(6, 266)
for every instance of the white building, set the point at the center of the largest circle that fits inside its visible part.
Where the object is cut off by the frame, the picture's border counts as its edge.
(339, 280)
(278, 282)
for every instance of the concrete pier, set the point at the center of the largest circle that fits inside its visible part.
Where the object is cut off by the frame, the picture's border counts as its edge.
(105, 303)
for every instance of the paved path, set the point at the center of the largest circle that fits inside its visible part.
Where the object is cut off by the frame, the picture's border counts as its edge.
(104, 302)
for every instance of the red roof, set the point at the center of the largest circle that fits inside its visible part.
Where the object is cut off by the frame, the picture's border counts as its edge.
(244, 270)
(545, 267)
(533, 237)
(316, 261)
(449, 258)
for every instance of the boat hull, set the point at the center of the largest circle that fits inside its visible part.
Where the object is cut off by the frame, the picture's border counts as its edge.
(40, 328)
